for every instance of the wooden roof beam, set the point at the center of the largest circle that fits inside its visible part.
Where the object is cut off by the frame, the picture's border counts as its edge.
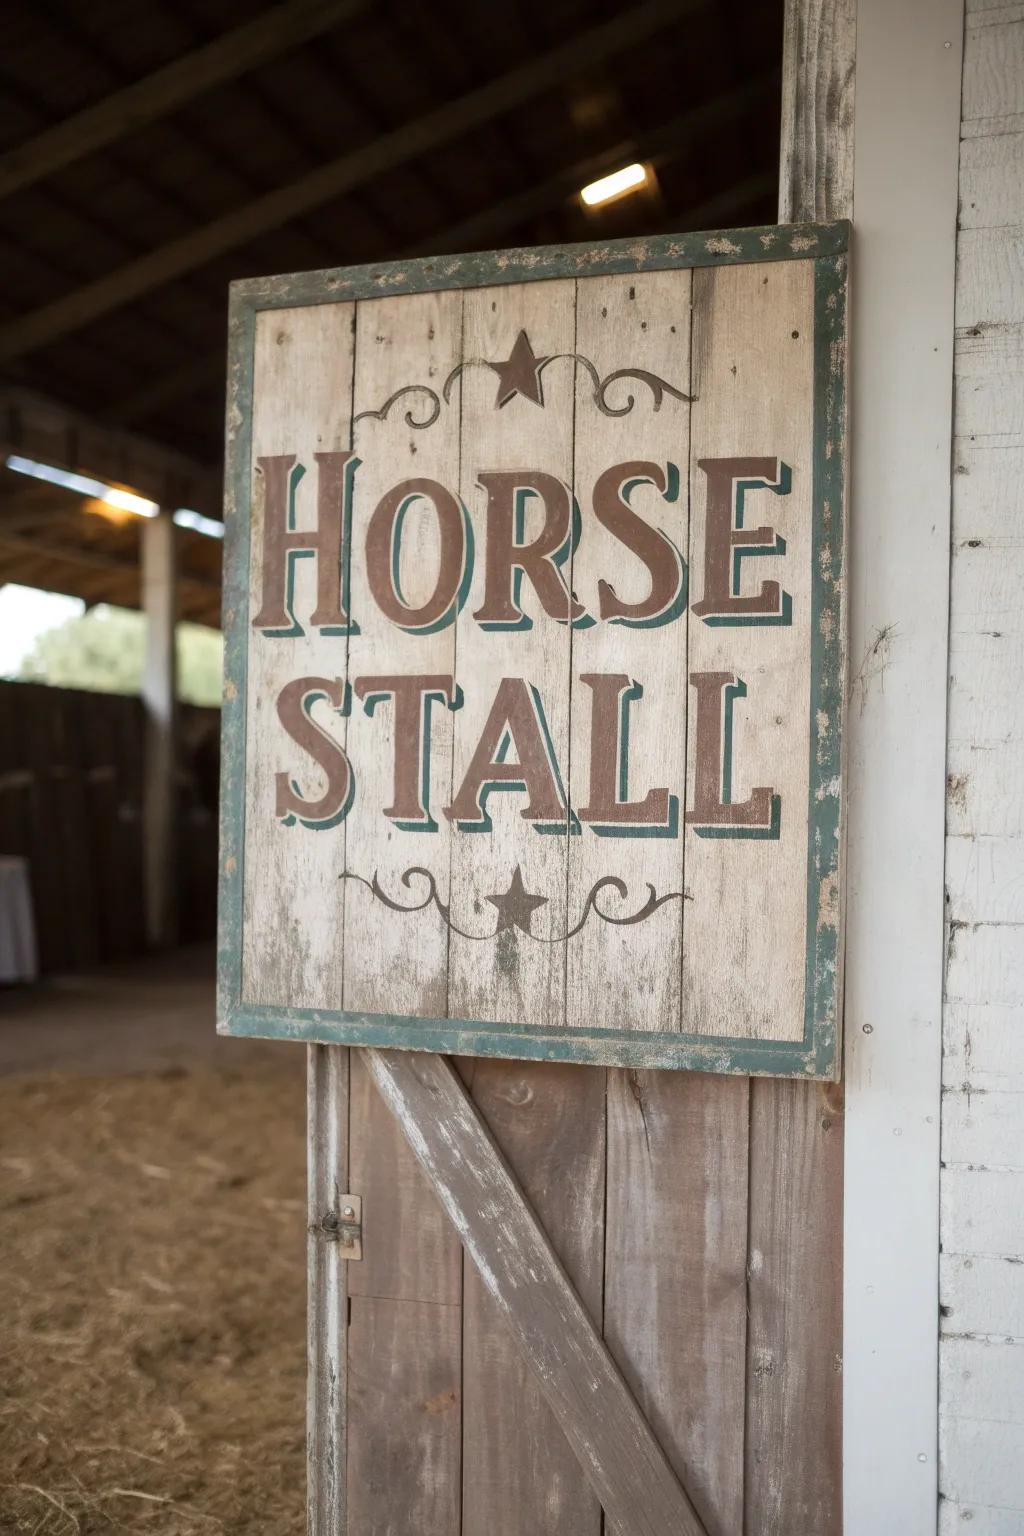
(144, 101)
(39, 428)
(656, 146)
(327, 182)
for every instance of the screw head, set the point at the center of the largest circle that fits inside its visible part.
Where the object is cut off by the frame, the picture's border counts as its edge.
(349, 1212)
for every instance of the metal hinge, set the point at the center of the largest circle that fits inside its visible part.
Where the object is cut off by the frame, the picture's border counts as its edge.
(344, 1227)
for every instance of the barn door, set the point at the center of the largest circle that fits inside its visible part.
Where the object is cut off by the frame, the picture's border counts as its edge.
(671, 1361)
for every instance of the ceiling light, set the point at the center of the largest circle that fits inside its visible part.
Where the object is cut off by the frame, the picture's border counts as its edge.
(625, 180)
(186, 518)
(111, 495)
(85, 485)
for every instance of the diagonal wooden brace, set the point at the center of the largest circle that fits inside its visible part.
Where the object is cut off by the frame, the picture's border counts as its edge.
(581, 1383)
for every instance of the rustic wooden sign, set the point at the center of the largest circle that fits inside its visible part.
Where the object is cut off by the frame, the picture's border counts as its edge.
(536, 652)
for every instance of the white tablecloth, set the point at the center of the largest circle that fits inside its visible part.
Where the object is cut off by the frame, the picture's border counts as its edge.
(17, 929)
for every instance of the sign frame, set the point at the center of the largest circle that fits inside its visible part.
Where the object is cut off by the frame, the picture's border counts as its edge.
(818, 1053)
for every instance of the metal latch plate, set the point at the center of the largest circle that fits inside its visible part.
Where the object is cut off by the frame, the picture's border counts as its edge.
(344, 1227)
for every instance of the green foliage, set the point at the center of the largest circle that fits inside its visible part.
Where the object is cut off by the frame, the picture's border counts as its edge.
(104, 650)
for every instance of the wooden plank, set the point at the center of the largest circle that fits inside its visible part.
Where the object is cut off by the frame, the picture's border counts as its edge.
(751, 325)
(794, 1453)
(410, 1252)
(982, 1295)
(392, 967)
(982, 1046)
(816, 156)
(327, 1305)
(405, 1338)
(353, 169)
(519, 1472)
(623, 1461)
(982, 1212)
(638, 321)
(675, 1272)
(303, 367)
(125, 111)
(513, 979)
(404, 1436)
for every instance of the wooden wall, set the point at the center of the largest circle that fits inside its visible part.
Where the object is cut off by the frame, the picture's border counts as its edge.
(70, 802)
(982, 1348)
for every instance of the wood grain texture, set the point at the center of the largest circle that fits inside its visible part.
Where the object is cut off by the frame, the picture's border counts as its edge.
(816, 158)
(512, 978)
(404, 1412)
(624, 1463)
(982, 1292)
(327, 1068)
(293, 896)
(393, 966)
(405, 1335)
(642, 320)
(750, 325)
(794, 1450)
(519, 1471)
(675, 1272)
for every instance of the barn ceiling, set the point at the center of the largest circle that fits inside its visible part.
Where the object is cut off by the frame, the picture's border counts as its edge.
(149, 155)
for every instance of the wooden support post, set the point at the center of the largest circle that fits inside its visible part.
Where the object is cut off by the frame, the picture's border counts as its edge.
(327, 1302)
(159, 602)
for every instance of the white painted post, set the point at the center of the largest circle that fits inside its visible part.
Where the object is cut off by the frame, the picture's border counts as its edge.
(159, 604)
(906, 141)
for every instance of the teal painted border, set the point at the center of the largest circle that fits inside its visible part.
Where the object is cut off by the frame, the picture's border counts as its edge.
(817, 1054)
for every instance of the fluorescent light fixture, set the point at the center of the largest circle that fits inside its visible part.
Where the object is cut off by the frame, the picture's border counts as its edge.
(124, 501)
(615, 185)
(186, 518)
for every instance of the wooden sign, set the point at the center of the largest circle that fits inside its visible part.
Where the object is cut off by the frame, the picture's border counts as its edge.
(536, 651)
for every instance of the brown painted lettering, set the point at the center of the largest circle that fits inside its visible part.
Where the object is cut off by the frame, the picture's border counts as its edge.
(383, 556)
(609, 806)
(713, 813)
(283, 543)
(293, 710)
(516, 720)
(726, 540)
(667, 596)
(509, 557)
(413, 697)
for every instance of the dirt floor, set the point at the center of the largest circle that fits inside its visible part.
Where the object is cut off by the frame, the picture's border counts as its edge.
(152, 1273)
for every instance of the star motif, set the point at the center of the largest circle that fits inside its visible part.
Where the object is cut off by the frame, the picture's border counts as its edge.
(519, 374)
(515, 906)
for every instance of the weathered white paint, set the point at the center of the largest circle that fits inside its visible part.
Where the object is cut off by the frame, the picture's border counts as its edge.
(906, 133)
(982, 1288)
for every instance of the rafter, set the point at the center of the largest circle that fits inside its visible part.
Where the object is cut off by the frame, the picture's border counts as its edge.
(44, 429)
(656, 146)
(330, 181)
(144, 101)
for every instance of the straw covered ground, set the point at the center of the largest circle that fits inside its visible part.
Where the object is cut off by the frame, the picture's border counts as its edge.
(152, 1302)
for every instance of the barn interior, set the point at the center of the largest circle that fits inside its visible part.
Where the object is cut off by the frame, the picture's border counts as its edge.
(148, 157)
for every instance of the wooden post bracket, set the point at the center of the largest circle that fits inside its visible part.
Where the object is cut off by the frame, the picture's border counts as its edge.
(582, 1384)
